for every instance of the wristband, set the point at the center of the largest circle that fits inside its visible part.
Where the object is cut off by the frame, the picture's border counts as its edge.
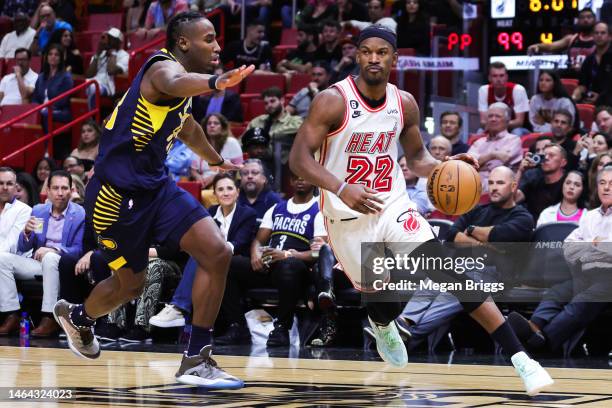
(217, 164)
(342, 187)
(212, 82)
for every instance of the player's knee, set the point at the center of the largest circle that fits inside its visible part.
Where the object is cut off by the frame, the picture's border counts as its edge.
(133, 288)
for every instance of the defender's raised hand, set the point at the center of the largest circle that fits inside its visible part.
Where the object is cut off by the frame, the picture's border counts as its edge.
(234, 77)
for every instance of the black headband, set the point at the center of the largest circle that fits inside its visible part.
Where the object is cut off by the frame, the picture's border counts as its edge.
(378, 31)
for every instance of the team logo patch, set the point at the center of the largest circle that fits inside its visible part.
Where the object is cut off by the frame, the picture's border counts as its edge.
(353, 104)
(410, 221)
(306, 217)
(107, 243)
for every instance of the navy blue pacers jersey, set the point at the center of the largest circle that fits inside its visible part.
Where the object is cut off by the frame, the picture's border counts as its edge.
(137, 137)
(293, 231)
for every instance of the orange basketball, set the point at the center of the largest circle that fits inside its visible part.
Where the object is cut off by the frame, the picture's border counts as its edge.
(454, 187)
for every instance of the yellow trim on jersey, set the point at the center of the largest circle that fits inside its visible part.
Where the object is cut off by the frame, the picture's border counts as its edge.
(106, 208)
(117, 263)
(291, 234)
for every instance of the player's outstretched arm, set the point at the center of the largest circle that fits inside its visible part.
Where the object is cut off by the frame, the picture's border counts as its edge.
(193, 136)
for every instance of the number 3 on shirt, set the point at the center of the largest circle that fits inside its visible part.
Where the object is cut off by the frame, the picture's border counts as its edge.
(361, 168)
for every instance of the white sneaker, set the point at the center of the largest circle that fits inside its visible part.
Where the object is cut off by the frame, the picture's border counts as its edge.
(170, 316)
(389, 344)
(531, 372)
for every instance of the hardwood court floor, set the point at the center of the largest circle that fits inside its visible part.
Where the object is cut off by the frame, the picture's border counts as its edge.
(145, 379)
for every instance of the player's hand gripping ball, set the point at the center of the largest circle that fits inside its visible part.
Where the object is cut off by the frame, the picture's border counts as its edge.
(454, 187)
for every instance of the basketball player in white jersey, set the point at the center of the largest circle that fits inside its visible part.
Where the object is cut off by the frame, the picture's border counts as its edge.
(348, 146)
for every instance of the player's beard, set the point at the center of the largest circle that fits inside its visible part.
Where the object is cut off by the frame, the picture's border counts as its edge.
(373, 81)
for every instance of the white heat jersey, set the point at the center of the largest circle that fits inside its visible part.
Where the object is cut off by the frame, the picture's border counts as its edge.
(364, 149)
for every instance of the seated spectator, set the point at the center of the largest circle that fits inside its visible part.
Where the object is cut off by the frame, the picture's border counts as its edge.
(72, 57)
(11, 8)
(219, 135)
(42, 170)
(570, 306)
(256, 145)
(450, 128)
(348, 63)
(77, 192)
(61, 233)
(603, 119)
(352, 10)
(316, 12)
(415, 191)
(254, 190)
(376, 15)
(223, 101)
(542, 186)
(14, 214)
(87, 149)
(329, 49)
(502, 220)
(53, 81)
(550, 97)
(571, 208)
(237, 224)
(413, 28)
(578, 45)
(25, 190)
(440, 147)
(320, 76)
(158, 14)
(563, 134)
(109, 61)
(589, 146)
(46, 23)
(74, 165)
(598, 163)
(17, 88)
(251, 50)
(22, 37)
(595, 84)
(498, 148)
(301, 59)
(499, 89)
(280, 124)
(280, 257)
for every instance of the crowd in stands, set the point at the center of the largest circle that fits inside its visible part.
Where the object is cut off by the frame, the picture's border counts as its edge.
(542, 160)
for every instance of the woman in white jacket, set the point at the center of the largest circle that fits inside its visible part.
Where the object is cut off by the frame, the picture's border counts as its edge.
(571, 208)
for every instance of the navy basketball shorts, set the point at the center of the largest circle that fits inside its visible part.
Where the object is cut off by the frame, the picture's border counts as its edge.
(126, 223)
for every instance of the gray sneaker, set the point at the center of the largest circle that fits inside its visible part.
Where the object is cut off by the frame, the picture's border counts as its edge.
(202, 370)
(80, 339)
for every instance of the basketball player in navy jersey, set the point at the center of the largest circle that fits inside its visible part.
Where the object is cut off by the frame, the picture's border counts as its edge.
(131, 201)
(353, 128)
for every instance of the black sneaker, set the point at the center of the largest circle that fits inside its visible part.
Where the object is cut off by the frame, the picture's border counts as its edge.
(236, 334)
(327, 301)
(279, 337)
(136, 335)
(327, 332)
(106, 331)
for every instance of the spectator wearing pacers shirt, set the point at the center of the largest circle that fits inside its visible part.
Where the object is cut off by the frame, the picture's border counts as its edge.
(499, 89)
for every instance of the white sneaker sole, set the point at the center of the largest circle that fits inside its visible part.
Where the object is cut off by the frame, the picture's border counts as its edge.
(70, 345)
(538, 389)
(210, 384)
(167, 323)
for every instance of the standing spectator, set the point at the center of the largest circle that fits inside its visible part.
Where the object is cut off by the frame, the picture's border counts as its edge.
(347, 64)
(550, 97)
(252, 50)
(595, 83)
(499, 89)
(17, 88)
(280, 124)
(598, 163)
(376, 14)
(571, 208)
(14, 214)
(109, 61)
(72, 57)
(542, 187)
(53, 81)
(42, 170)
(62, 233)
(416, 193)
(87, 149)
(498, 148)
(13, 7)
(329, 50)
(603, 119)
(254, 190)
(223, 101)
(300, 59)
(450, 127)
(578, 45)
(300, 103)
(413, 28)
(316, 12)
(440, 147)
(25, 190)
(46, 23)
(570, 306)
(22, 37)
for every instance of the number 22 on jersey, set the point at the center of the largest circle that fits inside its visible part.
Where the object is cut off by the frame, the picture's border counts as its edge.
(375, 175)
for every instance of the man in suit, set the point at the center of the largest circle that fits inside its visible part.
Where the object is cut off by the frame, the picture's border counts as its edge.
(61, 233)
(223, 101)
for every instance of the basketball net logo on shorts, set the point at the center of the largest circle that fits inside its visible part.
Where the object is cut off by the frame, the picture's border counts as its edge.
(410, 221)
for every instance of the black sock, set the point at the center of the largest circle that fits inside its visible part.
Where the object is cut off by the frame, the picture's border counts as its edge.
(80, 317)
(505, 336)
(200, 337)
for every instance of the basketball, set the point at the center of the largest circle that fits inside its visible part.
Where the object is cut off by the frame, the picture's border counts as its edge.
(454, 187)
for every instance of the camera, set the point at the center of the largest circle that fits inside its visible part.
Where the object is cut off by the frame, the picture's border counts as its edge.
(538, 159)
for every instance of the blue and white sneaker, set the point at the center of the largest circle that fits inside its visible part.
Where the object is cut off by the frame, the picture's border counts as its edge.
(531, 372)
(201, 370)
(389, 344)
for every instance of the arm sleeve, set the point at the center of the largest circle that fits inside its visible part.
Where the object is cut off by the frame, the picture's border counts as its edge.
(516, 229)
(8, 243)
(319, 226)
(266, 222)
(521, 101)
(3, 84)
(3, 48)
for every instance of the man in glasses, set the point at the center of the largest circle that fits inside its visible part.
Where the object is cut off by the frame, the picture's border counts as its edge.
(46, 23)
(254, 190)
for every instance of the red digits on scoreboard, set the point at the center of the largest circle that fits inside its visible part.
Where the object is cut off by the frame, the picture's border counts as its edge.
(517, 39)
(505, 40)
(463, 41)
